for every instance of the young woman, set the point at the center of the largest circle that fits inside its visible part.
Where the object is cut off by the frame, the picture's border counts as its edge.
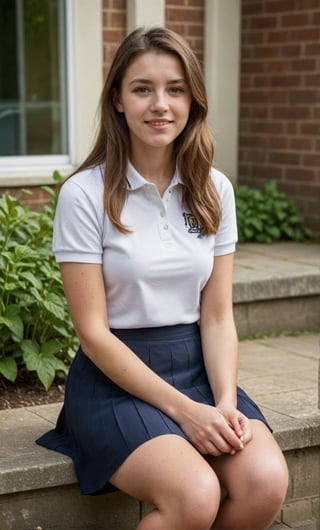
(145, 234)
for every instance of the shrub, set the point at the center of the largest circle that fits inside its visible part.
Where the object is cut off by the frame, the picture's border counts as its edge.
(36, 333)
(267, 215)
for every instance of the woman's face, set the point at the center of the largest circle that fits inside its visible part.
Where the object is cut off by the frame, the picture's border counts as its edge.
(155, 99)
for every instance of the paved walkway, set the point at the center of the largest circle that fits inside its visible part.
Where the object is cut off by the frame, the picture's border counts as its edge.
(281, 374)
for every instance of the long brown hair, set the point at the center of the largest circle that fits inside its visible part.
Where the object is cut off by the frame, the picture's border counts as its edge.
(193, 149)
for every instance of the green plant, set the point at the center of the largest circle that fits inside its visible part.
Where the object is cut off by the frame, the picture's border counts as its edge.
(36, 332)
(267, 215)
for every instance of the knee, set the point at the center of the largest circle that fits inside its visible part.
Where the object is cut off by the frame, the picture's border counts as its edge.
(274, 479)
(269, 486)
(200, 503)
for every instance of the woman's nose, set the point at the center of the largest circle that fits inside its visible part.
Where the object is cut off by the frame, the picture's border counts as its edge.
(159, 102)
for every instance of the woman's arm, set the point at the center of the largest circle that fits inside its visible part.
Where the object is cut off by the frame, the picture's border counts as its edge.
(220, 343)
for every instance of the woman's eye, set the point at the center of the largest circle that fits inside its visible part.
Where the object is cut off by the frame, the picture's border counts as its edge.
(176, 90)
(142, 90)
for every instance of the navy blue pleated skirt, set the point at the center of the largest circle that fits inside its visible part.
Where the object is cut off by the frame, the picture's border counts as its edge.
(100, 424)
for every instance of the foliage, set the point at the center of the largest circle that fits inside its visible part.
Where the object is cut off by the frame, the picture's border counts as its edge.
(267, 215)
(36, 332)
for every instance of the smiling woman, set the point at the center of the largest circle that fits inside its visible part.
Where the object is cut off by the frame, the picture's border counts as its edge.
(145, 233)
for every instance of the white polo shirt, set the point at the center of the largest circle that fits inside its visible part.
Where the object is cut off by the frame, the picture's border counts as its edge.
(153, 276)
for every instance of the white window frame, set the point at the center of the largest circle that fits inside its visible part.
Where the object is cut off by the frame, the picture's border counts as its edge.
(84, 84)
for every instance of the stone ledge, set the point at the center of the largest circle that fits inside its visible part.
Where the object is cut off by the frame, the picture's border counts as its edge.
(281, 270)
(273, 288)
(27, 466)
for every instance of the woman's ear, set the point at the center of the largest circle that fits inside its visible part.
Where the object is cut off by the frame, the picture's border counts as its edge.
(116, 101)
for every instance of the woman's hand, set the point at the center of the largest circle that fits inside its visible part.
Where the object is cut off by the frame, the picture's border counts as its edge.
(214, 430)
(237, 421)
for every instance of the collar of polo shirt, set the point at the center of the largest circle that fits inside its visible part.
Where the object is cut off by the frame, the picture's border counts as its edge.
(136, 181)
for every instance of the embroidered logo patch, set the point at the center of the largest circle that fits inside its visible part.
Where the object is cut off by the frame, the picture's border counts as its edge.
(191, 222)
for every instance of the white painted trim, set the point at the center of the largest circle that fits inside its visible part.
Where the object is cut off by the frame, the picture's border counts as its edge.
(222, 71)
(85, 79)
(145, 13)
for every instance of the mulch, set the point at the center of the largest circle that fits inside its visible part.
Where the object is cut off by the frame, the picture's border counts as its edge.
(27, 390)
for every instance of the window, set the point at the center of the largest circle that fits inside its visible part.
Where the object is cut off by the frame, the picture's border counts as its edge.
(33, 118)
(51, 67)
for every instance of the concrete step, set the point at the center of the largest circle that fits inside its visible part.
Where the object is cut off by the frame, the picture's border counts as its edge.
(38, 488)
(276, 287)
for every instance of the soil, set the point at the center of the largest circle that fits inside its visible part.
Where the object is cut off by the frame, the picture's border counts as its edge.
(27, 391)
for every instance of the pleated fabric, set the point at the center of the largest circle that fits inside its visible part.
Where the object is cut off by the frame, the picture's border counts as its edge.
(100, 424)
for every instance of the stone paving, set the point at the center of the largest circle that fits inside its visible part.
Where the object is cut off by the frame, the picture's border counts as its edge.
(281, 374)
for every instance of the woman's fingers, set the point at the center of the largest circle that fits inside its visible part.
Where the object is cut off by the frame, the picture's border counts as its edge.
(217, 438)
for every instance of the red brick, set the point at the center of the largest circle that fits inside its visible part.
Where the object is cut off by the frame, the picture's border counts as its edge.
(315, 18)
(311, 160)
(296, 19)
(286, 80)
(117, 19)
(196, 3)
(280, 66)
(312, 48)
(264, 22)
(310, 128)
(255, 67)
(301, 144)
(262, 52)
(278, 6)
(306, 34)
(290, 113)
(175, 3)
(312, 80)
(267, 172)
(284, 158)
(278, 36)
(292, 127)
(252, 38)
(291, 50)
(253, 141)
(303, 65)
(307, 4)
(255, 97)
(304, 96)
(119, 4)
(278, 142)
(185, 15)
(112, 35)
(302, 174)
(261, 81)
(251, 8)
(267, 127)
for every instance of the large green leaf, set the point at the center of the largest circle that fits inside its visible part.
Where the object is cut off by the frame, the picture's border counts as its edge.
(29, 347)
(8, 368)
(55, 306)
(51, 347)
(14, 323)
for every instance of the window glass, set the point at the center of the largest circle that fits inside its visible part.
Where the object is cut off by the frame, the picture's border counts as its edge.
(33, 117)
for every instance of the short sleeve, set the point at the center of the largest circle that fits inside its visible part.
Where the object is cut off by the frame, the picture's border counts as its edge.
(227, 235)
(78, 223)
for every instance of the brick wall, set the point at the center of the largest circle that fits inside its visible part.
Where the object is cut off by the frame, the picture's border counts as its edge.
(280, 99)
(184, 16)
(113, 29)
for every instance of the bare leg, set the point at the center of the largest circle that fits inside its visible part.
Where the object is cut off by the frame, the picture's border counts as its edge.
(256, 480)
(169, 473)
